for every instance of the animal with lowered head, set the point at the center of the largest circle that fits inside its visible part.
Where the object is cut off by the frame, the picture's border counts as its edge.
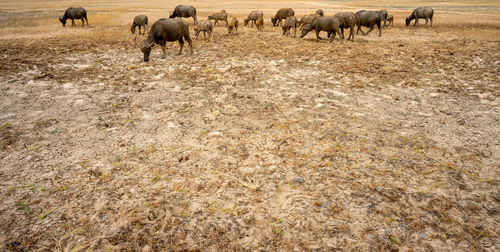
(166, 30)
(421, 13)
(222, 16)
(205, 27)
(233, 25)
(74, 13)
(329, 24)
(290, 22)
(140, 21)
(185, 11)
(282, 14)
(253, 16)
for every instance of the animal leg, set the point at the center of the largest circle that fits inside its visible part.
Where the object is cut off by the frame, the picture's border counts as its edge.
(227, 24)
(333, 36)
(342, 29)
(188, 39)
(181, 43)
(426, 21)
(197, 34)
(295, 31)
(351, 34)
(140, 30)
(72, 22)
(431, 22)
(416, 22)
(371, 29)
(379, 30)
(317, 36)
(164, 49)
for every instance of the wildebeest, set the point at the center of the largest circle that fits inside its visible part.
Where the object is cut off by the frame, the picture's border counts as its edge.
(328, 24)
(421, 13)
(166, 30)
(218, 16)
(185, 11)
(368, 19)
(390, 19)
(253, 16)
(74, 13)
(141, 21)
(290, 22)
(205, 27)
(233, 25)
(383, 15)
(347, 20)
(320, 12)
(282, 14)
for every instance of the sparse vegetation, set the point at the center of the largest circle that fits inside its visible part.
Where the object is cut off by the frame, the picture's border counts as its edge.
(255, 142)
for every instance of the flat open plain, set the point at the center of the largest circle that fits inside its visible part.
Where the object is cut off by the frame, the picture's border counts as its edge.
(257, 141)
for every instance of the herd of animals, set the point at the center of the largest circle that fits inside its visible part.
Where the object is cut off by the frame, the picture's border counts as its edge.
(175, 29)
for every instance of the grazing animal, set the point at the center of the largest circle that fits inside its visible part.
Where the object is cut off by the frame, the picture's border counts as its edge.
(185, 11)
(260, 23)
(329, 24)
(74, 13)
(320, 12)
(383, 15)
(347, 20)
(141, 21)
(166, 30)
(390, 19)
(307, 19)
(218, 16)
(282, 14)
(421, 13)
(290, 22)
(253, 16)
(233, 25)
(368, 19)
(205, 27)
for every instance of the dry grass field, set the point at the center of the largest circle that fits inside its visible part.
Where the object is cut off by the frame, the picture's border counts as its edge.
(256, 141)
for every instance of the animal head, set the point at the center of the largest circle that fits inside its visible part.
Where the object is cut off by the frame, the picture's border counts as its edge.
(408, 21)
(63, 21)
(246, 21)
(306, 29)
(146, 49)
(132, 29)
(273, 20)
(211, 17)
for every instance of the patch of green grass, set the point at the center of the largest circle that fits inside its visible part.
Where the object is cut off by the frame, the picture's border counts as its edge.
(43, 215)
(23, 204)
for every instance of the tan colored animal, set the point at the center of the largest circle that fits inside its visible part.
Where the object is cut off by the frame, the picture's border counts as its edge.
(260, 23)
(253, 16)
(222, 16)
(282, 14)
(290, 22)
(307, 19)
(390, 19)
(233, 25)
(205, 27)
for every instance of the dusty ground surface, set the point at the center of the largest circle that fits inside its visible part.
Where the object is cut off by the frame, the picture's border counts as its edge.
(257, 141)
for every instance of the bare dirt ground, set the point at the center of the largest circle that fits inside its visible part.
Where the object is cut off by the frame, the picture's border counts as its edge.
(257, 141)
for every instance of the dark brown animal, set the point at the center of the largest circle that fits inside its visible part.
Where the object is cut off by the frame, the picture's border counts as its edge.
(74, 13)
(421, 13)
(166, 30)
(253, 16)
(390, 19)
(368, 19)
(329, 24)
(347, 20)
(282, 14)
(185, 11)
(383, 15)
(141, 21)
(222, 16)
(205, 27)
(290, 22)
(320, 12)
(233, 25)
